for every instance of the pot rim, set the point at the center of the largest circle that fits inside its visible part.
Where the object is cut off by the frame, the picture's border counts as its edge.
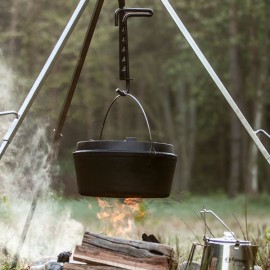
(128, 146)
(225, 241)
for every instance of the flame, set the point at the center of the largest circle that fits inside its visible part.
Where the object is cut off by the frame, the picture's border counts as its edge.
(119, 217)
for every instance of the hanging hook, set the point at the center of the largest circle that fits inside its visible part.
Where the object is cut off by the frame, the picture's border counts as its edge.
(120, 16)
(141, 12)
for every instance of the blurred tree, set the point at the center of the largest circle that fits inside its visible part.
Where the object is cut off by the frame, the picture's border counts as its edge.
(258, 80)
(236, 86)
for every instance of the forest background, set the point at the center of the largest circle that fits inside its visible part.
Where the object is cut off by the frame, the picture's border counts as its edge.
(183, 105)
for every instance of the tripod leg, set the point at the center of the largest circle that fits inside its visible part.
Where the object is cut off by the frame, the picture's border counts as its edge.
(77, 72)
(42, 76)
(216, 79)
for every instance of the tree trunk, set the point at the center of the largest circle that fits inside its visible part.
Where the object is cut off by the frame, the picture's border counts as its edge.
(259, 75)
(252, 171)
(186, 131)
(235, 140)
(252, 174)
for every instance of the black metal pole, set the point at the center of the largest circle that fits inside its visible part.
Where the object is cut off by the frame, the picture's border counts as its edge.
(121, 3)
(76, 74)
(60, 124)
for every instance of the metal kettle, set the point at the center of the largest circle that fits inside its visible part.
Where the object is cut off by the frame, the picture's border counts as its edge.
(225, 253)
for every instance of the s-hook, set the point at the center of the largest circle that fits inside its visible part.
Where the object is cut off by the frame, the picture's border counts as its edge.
(121, 16)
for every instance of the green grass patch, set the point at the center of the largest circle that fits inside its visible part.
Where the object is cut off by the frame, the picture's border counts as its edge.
(59, 223)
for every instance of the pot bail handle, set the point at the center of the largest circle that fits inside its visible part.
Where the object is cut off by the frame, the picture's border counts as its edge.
(122, 93)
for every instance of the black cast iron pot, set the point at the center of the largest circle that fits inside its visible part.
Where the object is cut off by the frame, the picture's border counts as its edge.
(122, 169)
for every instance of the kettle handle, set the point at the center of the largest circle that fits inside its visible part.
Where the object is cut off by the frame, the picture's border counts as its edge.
(204, 211)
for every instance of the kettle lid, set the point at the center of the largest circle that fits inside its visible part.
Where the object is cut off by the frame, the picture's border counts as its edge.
(228, 238)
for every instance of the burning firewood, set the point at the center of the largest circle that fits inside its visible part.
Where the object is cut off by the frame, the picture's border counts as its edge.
(99, 250)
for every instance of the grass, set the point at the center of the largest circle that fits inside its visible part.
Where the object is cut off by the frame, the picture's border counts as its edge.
(59, 223)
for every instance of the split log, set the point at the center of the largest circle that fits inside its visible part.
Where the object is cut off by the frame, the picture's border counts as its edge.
(135, 248)
(76, 266)
(127, 254)
(103, 257)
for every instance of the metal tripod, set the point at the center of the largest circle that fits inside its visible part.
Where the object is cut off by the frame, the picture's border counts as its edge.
(20, 115)
(58, 49)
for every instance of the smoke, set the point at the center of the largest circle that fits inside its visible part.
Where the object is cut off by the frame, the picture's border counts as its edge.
(23, 166)
(6, 102)
(23, 170)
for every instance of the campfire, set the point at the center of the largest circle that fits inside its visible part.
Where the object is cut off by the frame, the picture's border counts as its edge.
(114, 248)
(120, 217)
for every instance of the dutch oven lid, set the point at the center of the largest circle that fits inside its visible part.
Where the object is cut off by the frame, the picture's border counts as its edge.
(128, 145)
